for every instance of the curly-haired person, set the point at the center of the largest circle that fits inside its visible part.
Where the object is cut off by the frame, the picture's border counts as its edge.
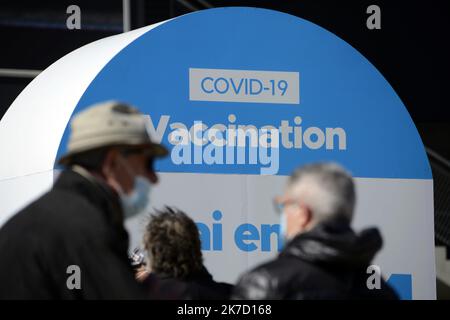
(172, 242)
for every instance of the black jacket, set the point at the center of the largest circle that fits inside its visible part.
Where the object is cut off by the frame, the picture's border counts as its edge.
(199, 286)
(328, 262)
(79, 222)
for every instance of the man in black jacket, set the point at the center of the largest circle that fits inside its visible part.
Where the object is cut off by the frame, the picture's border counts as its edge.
(323, 258)
(71, 243)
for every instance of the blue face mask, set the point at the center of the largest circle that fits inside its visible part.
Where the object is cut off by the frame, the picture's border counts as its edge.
(283, 229)
(138, 199)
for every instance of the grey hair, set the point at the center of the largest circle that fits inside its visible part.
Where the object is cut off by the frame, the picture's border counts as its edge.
(326, 188)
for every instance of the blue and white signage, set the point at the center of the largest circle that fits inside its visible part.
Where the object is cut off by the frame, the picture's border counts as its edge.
(241, 97)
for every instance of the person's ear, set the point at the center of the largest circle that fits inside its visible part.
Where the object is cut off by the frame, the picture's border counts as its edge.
(305, 217)
(117, 175)
(110, 163)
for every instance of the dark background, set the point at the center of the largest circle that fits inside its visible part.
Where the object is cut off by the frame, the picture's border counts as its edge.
(410, 50)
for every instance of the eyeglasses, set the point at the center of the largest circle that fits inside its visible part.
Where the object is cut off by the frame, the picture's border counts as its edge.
(150, 163)
(280, 203)
(150, 159)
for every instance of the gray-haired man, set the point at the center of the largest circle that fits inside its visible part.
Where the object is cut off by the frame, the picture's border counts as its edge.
(323, 258)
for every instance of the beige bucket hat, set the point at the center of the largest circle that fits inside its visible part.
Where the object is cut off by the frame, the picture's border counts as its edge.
(109, 123)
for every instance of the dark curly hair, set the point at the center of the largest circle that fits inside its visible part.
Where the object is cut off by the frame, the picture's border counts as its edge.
(172, 241)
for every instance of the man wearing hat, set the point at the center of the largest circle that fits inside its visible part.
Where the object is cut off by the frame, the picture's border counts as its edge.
(71, 243)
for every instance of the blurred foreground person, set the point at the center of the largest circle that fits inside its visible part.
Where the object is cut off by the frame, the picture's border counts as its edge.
(323, 257)
(70, 243)
(173, 245)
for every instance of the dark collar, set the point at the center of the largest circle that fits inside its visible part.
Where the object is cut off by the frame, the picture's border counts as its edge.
(334, 243)
(200, 275)
(94, 190)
